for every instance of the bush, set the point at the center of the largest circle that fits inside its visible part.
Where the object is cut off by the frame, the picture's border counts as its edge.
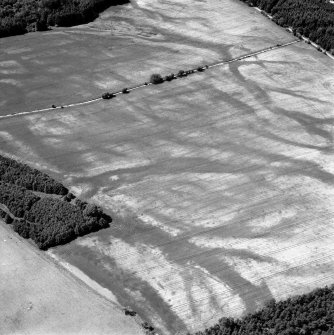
(106, 95)
(170, 77)
(8, 219)
(69, 197)
(156, 79)
(181, 73)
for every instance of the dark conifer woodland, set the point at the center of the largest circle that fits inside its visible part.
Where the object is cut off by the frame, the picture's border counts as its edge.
(307, 314)
(313, 19)
(47, 220)
(20, 16)
(23, 175)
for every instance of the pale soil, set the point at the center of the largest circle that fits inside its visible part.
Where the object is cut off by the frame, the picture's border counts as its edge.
(221, 183)
(83, 277)
(37, 297)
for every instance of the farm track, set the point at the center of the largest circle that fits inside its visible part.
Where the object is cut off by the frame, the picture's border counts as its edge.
(222, 63)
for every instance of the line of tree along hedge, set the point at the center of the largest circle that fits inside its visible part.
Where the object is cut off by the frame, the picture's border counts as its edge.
(20, 16)
(312, 18)
(307, 314)
(23, 175)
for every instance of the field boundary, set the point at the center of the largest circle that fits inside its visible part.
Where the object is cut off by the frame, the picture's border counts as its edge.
(60, 265)
(290, 30)
(138, 86)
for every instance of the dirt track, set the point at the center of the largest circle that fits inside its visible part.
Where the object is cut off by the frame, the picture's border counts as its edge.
(142, 85)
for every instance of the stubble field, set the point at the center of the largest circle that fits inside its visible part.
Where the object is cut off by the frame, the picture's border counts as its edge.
(221, 183)
(37, 297)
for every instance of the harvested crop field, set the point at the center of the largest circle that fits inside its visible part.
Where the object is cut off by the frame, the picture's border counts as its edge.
(37, 297)
(221, 183)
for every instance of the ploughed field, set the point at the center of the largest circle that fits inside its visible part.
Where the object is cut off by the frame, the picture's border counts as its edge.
(221, 183)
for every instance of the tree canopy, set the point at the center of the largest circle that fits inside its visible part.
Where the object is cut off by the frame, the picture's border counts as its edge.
(21, 16)
(307, 314)
(312, 18)
(48, 221)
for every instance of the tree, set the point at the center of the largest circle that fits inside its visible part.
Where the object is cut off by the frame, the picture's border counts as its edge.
(156, 79)
(8, 219)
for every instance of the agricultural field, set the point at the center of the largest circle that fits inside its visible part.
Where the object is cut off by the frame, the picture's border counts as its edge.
(38, 297)
(124, 47)
(221, 183)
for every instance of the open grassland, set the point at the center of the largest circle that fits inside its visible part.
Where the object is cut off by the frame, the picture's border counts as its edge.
(37, 297)
(222, 182)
